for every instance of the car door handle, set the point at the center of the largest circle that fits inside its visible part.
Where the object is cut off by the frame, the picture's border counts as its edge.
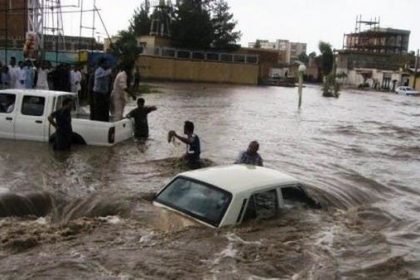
(38, 121)
(9, 119)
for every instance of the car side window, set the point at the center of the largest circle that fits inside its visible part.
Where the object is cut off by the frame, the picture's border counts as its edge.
(33, 105)
(262, 205)
(7, 103)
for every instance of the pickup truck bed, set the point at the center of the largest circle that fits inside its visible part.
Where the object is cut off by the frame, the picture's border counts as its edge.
(24, 113)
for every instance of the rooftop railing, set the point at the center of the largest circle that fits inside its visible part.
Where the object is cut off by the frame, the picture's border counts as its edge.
(201, 55)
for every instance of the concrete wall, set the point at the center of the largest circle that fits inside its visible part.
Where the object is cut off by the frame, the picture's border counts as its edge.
(354, 78)
(411, 83)
(153, 41)
(197, 71)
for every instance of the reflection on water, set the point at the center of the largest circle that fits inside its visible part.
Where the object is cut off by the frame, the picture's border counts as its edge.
(359, 153)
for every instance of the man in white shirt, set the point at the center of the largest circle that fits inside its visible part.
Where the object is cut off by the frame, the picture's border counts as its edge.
(13, 72)
(21, 76)
(75, 79)
(120, 92)
(42, 80)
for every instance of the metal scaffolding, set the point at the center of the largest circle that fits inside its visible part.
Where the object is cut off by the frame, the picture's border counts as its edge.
(45, 19)
(370, 37)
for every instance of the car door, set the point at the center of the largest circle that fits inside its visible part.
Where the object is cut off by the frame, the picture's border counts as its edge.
(262, 205)
(7, 115)
(30, 120)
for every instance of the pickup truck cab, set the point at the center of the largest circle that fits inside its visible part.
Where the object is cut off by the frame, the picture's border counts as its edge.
(24, 116)
(228, 195)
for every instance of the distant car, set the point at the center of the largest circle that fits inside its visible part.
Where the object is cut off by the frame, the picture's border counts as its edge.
(228, 195)
(407, 91)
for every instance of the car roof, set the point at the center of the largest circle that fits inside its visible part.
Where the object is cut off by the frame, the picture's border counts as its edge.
(240, 178)
(37, 92)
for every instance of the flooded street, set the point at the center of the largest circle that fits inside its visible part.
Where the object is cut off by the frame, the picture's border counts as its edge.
(360, 153)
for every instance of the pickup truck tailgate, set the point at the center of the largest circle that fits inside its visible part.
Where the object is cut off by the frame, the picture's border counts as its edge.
(103, 133)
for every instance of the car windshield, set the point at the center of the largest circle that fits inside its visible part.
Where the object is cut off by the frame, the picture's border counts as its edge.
(197, 199)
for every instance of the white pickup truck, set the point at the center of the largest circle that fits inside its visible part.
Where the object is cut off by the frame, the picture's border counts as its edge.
(24, 113)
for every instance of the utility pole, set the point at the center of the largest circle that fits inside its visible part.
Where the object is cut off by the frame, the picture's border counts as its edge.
(301, 71)
(6, 16)
(415, 70)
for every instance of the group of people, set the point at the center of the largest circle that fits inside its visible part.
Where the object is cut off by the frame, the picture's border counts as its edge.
(110, 98)
(105, 100)
(193, 148)
(30, 74)
(61, 120)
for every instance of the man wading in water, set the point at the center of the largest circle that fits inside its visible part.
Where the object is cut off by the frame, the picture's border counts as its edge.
(61, 120)
(251, 155)
(192, 156)
(141, 126)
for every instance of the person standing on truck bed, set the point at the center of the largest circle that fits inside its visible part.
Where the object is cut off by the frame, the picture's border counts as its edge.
(29, 74)
(42, 79)
(13, 72)
(120, 92)
(21, 76)
(61, 120)
(101, 100)
(141, 126)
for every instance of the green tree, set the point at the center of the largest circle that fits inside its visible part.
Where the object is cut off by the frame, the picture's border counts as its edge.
(192, 27)
(140, 22)
(312, 55)
(225, 37)
(257, 44)
(327, 57)
(126, 48)
(303, 57)
(328, 68)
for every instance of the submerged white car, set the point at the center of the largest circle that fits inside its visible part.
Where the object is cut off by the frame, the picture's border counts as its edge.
(228, 195)
(407, 91)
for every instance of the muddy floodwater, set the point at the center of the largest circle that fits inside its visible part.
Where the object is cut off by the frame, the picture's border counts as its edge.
(359, 153)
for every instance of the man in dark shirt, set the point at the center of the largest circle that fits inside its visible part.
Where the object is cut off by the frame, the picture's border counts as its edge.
(141, 126)
(192, 156)
(251, 155)
(61, 120)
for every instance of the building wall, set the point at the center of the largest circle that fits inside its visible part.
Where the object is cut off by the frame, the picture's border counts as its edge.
(411, 83)
(268, 59)
(153, 41)
(17, 18)
(379, 40)
(354, 77)
(296, 49)
(354, 59)
(197, 71)
(289, 50)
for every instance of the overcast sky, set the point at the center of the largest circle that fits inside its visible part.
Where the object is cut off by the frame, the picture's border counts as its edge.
(306, 21)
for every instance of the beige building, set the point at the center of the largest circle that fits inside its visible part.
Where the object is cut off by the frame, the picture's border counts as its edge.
(291, 50)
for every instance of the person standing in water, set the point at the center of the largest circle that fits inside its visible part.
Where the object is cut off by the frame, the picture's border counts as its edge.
(251, 155)
(141, 126)
(192, 155)
(61, 120)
